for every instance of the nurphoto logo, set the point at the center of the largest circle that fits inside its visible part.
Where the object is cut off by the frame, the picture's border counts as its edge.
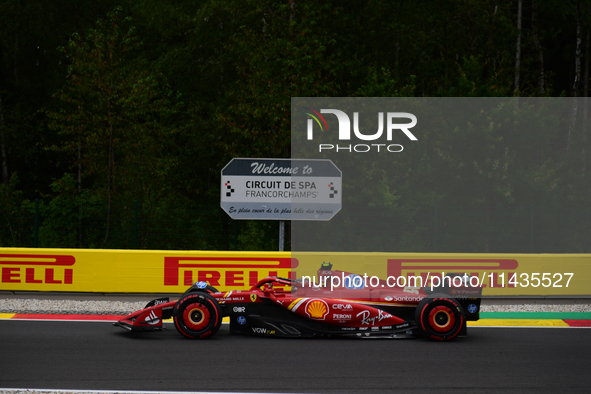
(345, 130)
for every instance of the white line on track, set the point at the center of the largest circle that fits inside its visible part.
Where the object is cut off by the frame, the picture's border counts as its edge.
(83, 321)
(48, 391)
(473, 327)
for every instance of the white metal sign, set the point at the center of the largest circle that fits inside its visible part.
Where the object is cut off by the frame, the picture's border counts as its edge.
(281, 189)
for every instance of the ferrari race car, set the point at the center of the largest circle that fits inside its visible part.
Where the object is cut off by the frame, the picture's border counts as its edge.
(309, 310)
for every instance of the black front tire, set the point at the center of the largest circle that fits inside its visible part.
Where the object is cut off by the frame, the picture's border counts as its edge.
(439, 317)
(197, 315)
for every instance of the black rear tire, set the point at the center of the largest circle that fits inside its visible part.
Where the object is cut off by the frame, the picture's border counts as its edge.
(439, 317)
(197, 315)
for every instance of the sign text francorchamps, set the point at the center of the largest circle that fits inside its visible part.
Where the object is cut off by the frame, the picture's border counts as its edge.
(281, 189)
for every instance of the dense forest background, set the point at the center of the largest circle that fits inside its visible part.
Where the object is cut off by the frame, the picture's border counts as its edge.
(116, 117)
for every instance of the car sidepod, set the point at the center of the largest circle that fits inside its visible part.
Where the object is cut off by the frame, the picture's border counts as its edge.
(313, 317)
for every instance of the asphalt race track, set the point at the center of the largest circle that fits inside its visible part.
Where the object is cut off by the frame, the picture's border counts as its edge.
(98, 356)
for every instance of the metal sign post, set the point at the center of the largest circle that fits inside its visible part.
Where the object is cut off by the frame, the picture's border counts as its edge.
(281, 235)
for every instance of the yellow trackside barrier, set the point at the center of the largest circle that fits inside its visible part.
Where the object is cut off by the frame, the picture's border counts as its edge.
(134, 271)
(500, 274)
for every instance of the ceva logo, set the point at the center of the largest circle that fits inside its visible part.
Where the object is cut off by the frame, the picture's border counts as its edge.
(345, 130)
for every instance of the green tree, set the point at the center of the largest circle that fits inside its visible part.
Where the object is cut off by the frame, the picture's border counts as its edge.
(16, 225)
(30, 72)
(115, 118)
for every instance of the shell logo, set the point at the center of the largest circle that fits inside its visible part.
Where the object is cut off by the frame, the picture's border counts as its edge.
(317, 309)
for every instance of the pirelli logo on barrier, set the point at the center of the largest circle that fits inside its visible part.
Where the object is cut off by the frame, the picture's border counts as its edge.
(225, 271)
(487, 269)
(37, 269)
(127, 271)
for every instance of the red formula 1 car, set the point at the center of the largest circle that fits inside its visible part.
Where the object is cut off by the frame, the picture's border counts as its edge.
(267, 309)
